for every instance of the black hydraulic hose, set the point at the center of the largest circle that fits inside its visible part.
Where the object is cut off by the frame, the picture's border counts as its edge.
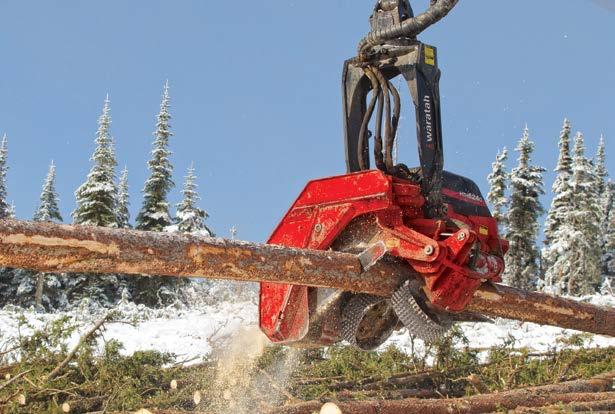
(384, 85)
(390, 143)
(368, 116)
(378, 156)
(410, 27)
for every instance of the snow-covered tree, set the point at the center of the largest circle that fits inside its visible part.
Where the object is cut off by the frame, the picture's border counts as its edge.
(605, 197)
(576, 267)
(608, 258)
(600, 170)
(522, 269)
(498, 180)
(28, 286)
(5, 208)
(97, 197)
(154, 214)
(190, 218)
(48, 208)
(561, 186)
(96, 206)
(123, 201)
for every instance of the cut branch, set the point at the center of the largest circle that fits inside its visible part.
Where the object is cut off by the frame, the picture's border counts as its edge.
(14, 379)
(73, 352)
(50, 247)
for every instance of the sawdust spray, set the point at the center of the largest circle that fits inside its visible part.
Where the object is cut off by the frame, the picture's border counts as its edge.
(240, 385)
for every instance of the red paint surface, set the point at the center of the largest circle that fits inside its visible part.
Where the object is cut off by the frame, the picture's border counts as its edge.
(327, 206)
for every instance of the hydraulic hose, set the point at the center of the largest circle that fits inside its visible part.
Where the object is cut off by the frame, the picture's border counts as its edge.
(408, 28)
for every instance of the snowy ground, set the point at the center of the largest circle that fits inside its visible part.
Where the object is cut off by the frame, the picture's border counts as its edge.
(192, 333)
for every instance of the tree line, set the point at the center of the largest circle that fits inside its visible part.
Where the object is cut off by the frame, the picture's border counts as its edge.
(577, 256)
(103, 200)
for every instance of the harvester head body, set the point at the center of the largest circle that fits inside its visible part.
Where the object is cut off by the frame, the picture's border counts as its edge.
(381, 217)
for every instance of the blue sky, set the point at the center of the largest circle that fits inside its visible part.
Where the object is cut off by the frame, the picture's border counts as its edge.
(255, 89)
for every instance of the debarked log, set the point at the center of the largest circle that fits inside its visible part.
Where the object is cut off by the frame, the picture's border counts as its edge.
(50, 247)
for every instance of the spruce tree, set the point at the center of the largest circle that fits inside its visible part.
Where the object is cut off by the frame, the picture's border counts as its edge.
(577, 267)
(189, 217)
(97, 197)
(600, 170)
(561, 186)
(601, 174)
(5, 208)
(608, 258)
(498, 180)
(96, 206)
(48, 209)
(123, 201)
(154, 214)
(522, 268)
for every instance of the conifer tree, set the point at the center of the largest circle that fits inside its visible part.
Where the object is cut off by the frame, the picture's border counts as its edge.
(5, 208)
(48, 209)
(608, 258)
(576, 268)
(96, 206)
(97, 197)
(154, 214)
(561, 186)
(123, 201)
(522, 269)
(604, 196)
(600, 170)
(190, 218)
(498, 180)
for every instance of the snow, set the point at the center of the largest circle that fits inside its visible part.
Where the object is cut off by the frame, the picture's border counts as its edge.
(192, 333)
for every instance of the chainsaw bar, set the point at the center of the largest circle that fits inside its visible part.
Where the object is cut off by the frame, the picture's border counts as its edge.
(414, 318)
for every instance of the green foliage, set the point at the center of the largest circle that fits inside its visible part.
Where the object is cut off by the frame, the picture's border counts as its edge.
(92, 379)
(448, 365)
(104, 378)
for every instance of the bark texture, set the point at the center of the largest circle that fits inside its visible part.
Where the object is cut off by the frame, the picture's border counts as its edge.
(47, 247)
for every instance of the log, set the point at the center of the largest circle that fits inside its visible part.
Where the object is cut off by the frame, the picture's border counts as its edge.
(81, 249)
(48, 247)
(566, 393)
(506, 302)
(602, 403)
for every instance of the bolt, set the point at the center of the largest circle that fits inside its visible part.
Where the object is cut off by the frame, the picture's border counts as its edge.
(429, 250)
(318, 228)
(461, 236)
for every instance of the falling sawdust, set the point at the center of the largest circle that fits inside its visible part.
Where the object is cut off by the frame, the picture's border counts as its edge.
(241, 387)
